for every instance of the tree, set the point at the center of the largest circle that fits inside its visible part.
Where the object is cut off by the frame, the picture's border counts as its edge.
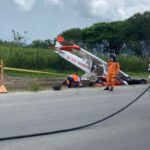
(41, 43)
(18, 39)
(73, 34)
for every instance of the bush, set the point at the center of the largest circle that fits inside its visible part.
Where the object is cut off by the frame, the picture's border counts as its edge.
(33, 58)
(46, 59)
(133, 63)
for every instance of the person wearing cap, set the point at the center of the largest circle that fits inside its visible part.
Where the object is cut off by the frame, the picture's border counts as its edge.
(113, 69)
(73, 80)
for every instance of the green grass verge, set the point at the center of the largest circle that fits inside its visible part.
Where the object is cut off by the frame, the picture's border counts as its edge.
(33, 75)
(55, 74)
(138, 74)
(40, 75)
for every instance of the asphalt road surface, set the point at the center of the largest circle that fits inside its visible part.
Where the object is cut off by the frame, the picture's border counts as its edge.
(29, 112)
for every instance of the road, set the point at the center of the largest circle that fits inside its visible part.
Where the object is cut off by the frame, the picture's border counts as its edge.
(29, 112)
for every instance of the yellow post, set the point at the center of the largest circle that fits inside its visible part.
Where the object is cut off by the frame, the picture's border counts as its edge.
(2, 86)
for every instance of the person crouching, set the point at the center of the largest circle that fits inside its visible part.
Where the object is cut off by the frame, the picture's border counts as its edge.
(73, 80)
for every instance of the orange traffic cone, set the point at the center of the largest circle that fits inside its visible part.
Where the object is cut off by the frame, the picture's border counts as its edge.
(3, 89)
(2, 86)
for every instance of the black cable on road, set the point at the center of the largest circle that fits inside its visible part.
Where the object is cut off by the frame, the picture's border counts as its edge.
(75, 128)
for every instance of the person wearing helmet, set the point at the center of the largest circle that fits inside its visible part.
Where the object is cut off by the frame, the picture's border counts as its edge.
(73, 80)
(149, 69)
(113, 69)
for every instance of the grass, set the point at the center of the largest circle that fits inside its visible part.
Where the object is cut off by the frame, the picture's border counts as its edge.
(43, 59)
(35, 87)
(47, 73)
(33, 75)
(138, 74)
(41, 75)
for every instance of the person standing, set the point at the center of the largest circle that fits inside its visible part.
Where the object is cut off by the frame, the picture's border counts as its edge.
(149, 69)
(113, 69)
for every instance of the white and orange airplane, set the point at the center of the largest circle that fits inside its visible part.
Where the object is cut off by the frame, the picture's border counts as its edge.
(94, 67)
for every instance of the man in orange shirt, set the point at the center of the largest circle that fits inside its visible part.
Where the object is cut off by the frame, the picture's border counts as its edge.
(113, 70)
(73, 80)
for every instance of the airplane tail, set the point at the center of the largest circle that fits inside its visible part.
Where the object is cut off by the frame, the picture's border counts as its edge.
(62, 44)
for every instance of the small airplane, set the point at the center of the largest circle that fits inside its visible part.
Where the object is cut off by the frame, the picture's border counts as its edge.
(94, 67)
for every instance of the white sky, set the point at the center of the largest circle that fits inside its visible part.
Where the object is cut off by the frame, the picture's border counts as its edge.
(44, 19)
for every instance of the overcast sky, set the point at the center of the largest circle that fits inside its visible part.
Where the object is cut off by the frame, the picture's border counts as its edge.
(45, 19)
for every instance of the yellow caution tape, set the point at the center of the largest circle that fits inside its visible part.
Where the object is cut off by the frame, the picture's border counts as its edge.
(33, 71)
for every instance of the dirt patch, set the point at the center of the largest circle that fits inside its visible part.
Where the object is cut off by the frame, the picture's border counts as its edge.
(31, 84)
(26, 83)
